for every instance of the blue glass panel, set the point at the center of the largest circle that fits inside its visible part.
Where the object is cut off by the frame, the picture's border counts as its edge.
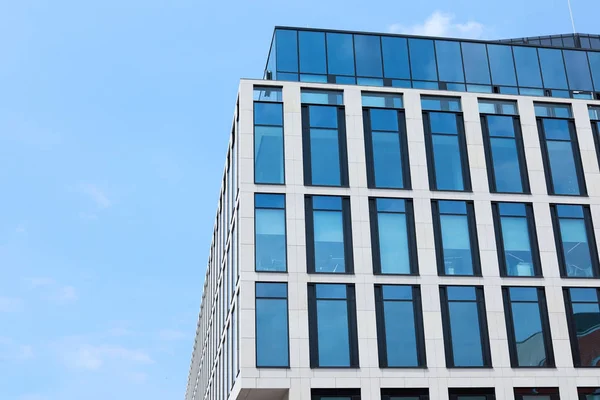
(313, 78)
(331, 291)
(556, 129)
(564, 94)
(512, 209)
(530, 343)
(531, 92)
(585, 295)
(340, 54)
(286, 77)
(586, 317)
(323, 117)
(312, 52)
(578, 70)
(452, 207)
(449, 61)
(327, 203)
(479, 88)
(331, 97)
(345, 80)
(443, 123)
(400, 334)
(466, 335)
(562, 167)
(502, 65)
(498, 107)
(268, 114)
(447, 162)
(333, 334)
(456, 87)
(268, 154)
(425, 85)
(401, 83)
(552, 110)
(368, 55)
(594, 58)
(287, 50)
(391, 205)
(271, 333)
(385, 100)
(387, 160)
(509, 90)
(461, 293)
(270, 246)
(569, 211)
(267, 93)
(329, 242)
(507, 171)
(553, 68)
(395, 57)
(271, 290)
(422, 60)
(528, 67)
(369, 81)
(384, 120)
(517, 245)
(397, 292)
(584, 96)
(523, 294)
(325, 157)
(440, 103)
(457, 245)
(393, 243)
(576, 248)
(269, 200)
(477, 69)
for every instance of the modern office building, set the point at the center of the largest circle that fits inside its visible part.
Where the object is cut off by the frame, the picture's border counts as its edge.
(408, 218)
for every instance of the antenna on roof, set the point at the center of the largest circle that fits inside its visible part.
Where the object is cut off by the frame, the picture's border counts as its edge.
(571, 14)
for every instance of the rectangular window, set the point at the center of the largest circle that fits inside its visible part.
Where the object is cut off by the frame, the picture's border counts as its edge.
(503, 145)
(393, 240)
(560, 151)
(395, 57)
(446, 148)
(270, 227)
(553, 68)
(578, 70)
(386, 143)
(471, 394)
(340, 56)
(287, 50)
(516, 239)
(449, 61)
(324, 141)
(455, 238)
(594, 112)
(399, 326)
(312, 52)
(465, 327)
(405, 394)
(335, 394)
(527, 66)
(502, 65)
(332, 325)
(268, 136)
(583, 315)
(575, 241)
(475, 58)
(529, 339)
(422, 60)
(272, 348)
(368, 55)
(328, 235)
(544, 393)
(588, 393)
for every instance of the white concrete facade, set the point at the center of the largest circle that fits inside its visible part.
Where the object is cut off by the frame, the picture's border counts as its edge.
(296, 382)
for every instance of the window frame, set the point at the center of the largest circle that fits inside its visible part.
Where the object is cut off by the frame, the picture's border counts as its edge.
(254, 140)
(583, 391)
(369, 153)
(596, 133)
(487, 147)
(325, 394)
(473, 240)
(483, 327)
(591, 237)
(576, 354)
(287, 303)
(410, 232)
(421, 393)
(455, 393)
(313, 335)
(284, 227)
(553, 392)
(533, 240)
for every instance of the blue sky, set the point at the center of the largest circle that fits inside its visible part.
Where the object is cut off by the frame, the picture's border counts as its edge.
(114, 119)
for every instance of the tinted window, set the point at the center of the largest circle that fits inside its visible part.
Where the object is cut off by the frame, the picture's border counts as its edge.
(395, 57)
(368, 55)
(268, 143)
(340, 54)
(502, 65)
(449, 61)
(594, 59)
(270, 243)
(528, 69)
(422, 60)
(312, 52)
(271, 325)
(553, 69)
(578, 70)
(476, 63)
(583, 310)
(287, 50)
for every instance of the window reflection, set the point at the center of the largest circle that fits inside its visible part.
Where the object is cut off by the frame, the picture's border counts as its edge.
(578, 70)
(583, 309)
(394, 247)
(271, 325)
(340, 54)
(312, 52)
(553, 70)
(422, 60)
(368, 55)
(268, 143)
(270, 242)
(476, 63)
(448, 54)
(395, 57)
(502, 65)
(527, 66)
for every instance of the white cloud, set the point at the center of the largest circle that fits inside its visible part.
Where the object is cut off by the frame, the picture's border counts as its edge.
(10, 304)
(66, 294)
(171, 335)
(21, 228)
(53, 290)
(443, 25)
(91, 357)
(12, 351)
(40, 282)
(95, 194)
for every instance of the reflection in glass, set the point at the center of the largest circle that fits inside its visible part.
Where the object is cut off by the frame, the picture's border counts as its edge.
(502, 65)
(287, 50)
(585, 315)
(561, 158)
(476, 63)
(395, 57)
(268, 143)
(271, 325)
(312, 52)
(553, 69)
(340, 54)
(422, 60)
(392, 233)
(450, 61)
(575, 245)
(368, 55)
(578, 70)
(528, 67)
(456, 238)
(516, 240)
(270, 235)
(386, 149)
(506, 162)
(328, 233)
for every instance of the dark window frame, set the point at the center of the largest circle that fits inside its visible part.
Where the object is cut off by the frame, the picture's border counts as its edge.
(313, 337)
(455, 393)
(254, 140)
(284, 227)
(419, 329)
(596, 133)
(473, 241)
(369, 154)
(582, 392)
(411, 236)
(483, 327)
(576, 354)
(421, 393)
(287, 302)
(591, 237)
(533, 239)
(510, 329)
(342, 145)
(487, 147)
(324, 394)
(310, 235)
(539, 391)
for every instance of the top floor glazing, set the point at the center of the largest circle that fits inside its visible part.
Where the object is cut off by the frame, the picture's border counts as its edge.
(311, 55)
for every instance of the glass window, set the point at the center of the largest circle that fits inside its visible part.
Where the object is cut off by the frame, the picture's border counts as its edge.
(502, 65)
(268, 143)
(446, 151)
(471, 394)
(325, 97)
(399, 326)
(272, 337)
(574, 233)
(270, 242)
(552, 110)
(528, 67)
(369, 81)
(594, 58)
(312, 52)
(544, 393)
(267, 93)
(395, 57)
(335, 394)
(368, 55)
(505, 158)
(449, 59)
(475, 57)
(487, 106)
(381, 100)
(287, 50)
(324, 146)
(386, 148)
(332, 325)
(516, 239)
(455, 238)
(465, 326)
(313, 78)
(422, 60)
(328, 237)
(588, 393)
(529, 339)
(553, 68)
(583, 315)
(340, 54)
(560, 153)
(405, 394)
(578, 70)
(393, 236)
(433, 103)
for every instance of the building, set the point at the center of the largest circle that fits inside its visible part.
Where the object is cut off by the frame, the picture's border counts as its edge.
(408, 218)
